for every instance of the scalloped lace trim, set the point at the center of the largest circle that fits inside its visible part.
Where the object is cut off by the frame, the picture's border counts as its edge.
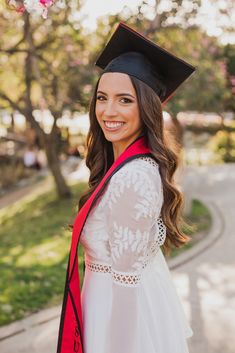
(120, 278)
(95, 267)
(126, 279)
(149, 159)
(161, 232)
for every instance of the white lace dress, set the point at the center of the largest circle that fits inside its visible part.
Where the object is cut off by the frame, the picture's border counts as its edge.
(129, 302)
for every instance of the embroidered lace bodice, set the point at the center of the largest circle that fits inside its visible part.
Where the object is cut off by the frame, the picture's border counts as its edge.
(124, 230)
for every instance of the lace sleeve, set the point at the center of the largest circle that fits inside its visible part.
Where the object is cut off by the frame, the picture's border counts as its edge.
(133, 206)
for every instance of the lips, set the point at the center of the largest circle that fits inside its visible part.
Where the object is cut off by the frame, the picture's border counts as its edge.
(113, 121)
(113, 125)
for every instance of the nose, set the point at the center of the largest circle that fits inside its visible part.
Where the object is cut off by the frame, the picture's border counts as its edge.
(110, 109)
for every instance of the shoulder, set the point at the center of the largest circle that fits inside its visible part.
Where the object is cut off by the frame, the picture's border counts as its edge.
(142, 167)
(136, 181)
(141, 172)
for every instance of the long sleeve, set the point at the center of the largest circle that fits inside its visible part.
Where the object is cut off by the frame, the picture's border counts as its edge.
(134, 204)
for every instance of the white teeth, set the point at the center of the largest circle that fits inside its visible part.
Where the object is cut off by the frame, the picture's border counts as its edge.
(112, 124)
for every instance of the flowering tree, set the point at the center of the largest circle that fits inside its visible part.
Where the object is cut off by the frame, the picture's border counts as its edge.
(44, 65)
(38, 7)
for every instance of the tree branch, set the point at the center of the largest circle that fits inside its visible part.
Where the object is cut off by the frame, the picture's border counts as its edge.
(156, 22)
(25, 112)
(13, 51)
(14, 48)
(13, 104)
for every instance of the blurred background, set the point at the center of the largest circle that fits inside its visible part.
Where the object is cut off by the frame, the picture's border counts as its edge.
(47, 75)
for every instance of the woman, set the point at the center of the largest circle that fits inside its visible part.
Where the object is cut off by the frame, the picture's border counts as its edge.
(128, 301)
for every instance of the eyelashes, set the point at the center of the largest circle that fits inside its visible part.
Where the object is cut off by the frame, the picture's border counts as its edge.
(122, 100)
(100, 98)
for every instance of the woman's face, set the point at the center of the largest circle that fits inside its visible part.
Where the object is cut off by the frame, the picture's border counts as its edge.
(117, 110)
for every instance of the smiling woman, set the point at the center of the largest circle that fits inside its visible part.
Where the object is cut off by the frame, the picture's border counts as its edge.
(128, 302)
(117, 111)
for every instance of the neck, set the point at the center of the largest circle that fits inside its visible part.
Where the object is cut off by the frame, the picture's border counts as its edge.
(119, 148)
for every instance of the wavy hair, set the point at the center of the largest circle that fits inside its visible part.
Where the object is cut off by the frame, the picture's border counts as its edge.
(100, 157)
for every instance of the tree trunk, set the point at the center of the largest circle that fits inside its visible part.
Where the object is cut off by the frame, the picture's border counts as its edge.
(47, 141)
(12, 123)
(54, 165)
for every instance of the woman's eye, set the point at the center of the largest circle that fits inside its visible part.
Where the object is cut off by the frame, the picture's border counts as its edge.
(126, 100)
(100, 98)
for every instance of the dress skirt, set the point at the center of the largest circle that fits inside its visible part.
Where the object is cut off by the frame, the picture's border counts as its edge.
(162, 325)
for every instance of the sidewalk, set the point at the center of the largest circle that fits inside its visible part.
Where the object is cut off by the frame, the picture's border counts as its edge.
(207, 283)
(81, 174)
(204, 278)
(20, 192)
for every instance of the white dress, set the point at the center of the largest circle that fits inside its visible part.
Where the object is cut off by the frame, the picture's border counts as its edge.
(129, 302)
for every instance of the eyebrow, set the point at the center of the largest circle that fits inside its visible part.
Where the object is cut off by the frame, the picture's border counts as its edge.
(118, 95)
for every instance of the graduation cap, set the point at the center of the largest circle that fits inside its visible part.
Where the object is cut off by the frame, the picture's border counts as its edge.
(131, 53)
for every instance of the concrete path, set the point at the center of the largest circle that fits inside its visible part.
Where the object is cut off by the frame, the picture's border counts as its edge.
(205, 280)
(21, 192)
(36, 186)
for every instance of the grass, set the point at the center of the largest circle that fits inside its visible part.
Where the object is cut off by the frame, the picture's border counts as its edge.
(34, 248)
(196, 226)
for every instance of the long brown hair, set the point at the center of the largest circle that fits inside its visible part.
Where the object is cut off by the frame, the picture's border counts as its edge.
(100, 157)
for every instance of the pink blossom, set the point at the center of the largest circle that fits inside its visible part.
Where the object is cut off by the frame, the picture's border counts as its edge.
(38, 7)
(46, 3)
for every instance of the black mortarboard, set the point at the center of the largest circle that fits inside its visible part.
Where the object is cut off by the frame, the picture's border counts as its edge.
(129, 52)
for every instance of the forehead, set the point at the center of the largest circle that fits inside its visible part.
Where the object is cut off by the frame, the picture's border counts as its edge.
(116, 82)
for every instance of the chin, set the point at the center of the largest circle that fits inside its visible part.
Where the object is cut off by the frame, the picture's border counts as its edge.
(113, 138)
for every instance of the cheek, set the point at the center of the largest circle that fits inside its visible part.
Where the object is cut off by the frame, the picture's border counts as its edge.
(134, 114)
(130, 112)
(98, 111)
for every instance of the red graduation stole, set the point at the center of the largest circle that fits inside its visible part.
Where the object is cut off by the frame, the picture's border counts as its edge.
(70, 339)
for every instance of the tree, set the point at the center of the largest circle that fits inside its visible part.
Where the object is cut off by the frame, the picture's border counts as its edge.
(44, 63)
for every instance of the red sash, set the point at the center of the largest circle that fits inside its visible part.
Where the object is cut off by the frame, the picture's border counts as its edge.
(70, 339)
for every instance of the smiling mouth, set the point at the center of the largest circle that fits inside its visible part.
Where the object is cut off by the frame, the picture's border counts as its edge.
(113, 125)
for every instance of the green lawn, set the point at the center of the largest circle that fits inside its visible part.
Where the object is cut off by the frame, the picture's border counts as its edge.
(197, 225)
(34, 248)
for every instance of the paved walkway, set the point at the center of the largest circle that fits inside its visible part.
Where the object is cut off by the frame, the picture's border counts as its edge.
(205, 283)
(36, 185)
(208, 281)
